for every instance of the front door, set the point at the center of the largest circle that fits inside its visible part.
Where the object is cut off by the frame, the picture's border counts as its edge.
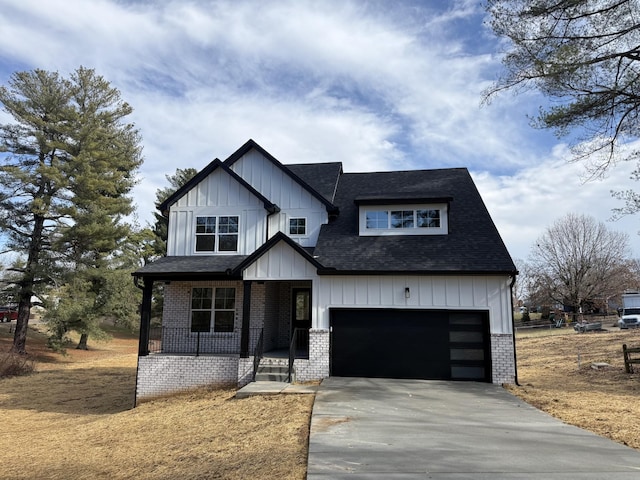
(301, 316)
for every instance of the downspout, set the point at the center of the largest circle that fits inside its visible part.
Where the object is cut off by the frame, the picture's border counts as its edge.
(513, 328)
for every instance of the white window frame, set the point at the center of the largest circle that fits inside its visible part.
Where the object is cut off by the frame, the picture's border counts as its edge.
(413, 230)
(212, 310)
(216, 234)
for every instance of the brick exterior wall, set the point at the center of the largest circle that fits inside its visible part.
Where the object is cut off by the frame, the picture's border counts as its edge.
(317, 367)
(177, 302)
(270, 309)
(502, 359)
(245, 371)
(177, 337)
(163, 374)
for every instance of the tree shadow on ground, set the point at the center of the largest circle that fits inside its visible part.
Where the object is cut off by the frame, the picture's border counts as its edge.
(75, 391)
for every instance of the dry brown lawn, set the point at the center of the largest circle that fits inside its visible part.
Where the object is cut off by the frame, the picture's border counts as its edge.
(556, 374)
(73, 419)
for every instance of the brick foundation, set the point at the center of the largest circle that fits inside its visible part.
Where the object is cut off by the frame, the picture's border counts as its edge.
(164, 374)
(502, 358)
(317, 367)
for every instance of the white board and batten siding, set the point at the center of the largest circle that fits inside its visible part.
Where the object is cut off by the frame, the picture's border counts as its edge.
(293, 200)
(486, 293)
(218, 194)
(281, 262)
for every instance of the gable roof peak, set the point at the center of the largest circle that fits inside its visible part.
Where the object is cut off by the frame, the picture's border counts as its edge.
(253, 145)
(204, 173)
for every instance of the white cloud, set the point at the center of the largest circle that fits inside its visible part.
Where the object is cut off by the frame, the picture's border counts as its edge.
(409, 69)
(525, 204)
(374, 85)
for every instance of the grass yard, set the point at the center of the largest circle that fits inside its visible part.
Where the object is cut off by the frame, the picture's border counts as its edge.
(556, 374)
(72, 419)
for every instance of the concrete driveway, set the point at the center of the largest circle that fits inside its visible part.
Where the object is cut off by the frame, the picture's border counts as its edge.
(415, 429)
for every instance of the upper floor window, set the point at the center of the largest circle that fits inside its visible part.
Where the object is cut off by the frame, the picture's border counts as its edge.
(378, 219)
(217, 233)
(428, 218)
(297, 226)
(406, 220)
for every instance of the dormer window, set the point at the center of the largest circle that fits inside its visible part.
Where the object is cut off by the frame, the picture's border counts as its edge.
(388, 219)
(377, 219)
(403, 220)
(428, 218)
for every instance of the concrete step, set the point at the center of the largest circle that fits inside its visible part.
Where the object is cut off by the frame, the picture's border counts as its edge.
(272, 373)
(274, 361)
(273, 368)
(271, 377)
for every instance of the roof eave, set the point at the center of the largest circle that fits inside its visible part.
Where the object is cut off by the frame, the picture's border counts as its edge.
(186, 276)
(334, 271)
(394, 200)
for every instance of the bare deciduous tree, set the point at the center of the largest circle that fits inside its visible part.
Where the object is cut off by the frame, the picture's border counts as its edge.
(578, 260)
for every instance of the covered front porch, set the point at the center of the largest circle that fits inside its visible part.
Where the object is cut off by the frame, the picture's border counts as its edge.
(271, 323)
(272, 316)
(222, 314)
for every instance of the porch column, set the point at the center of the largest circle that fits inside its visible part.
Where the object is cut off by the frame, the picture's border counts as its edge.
(145, 317)
(246, 320)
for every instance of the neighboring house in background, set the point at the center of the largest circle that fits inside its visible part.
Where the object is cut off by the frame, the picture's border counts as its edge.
(387, 274)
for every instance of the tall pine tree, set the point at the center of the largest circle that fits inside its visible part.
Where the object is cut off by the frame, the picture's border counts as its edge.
(70, 161)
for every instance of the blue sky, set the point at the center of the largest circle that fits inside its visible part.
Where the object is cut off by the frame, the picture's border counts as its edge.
(376, 85)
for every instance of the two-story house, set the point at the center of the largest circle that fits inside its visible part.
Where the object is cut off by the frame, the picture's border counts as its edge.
(388, 274)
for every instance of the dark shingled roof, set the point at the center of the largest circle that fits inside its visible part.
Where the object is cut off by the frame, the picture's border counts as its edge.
(473, 244)
(322, 177)
(190, 266)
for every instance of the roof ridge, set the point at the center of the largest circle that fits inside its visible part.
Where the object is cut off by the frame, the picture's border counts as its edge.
(252, 144)
(409, 171)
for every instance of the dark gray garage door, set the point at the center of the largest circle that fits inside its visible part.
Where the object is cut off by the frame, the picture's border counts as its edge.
(424, 344)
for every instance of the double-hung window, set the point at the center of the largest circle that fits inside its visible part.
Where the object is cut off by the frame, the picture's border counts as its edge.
(213, 307)
(217, 233)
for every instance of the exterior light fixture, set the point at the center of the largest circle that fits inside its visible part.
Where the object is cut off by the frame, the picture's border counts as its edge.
(407, 292)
